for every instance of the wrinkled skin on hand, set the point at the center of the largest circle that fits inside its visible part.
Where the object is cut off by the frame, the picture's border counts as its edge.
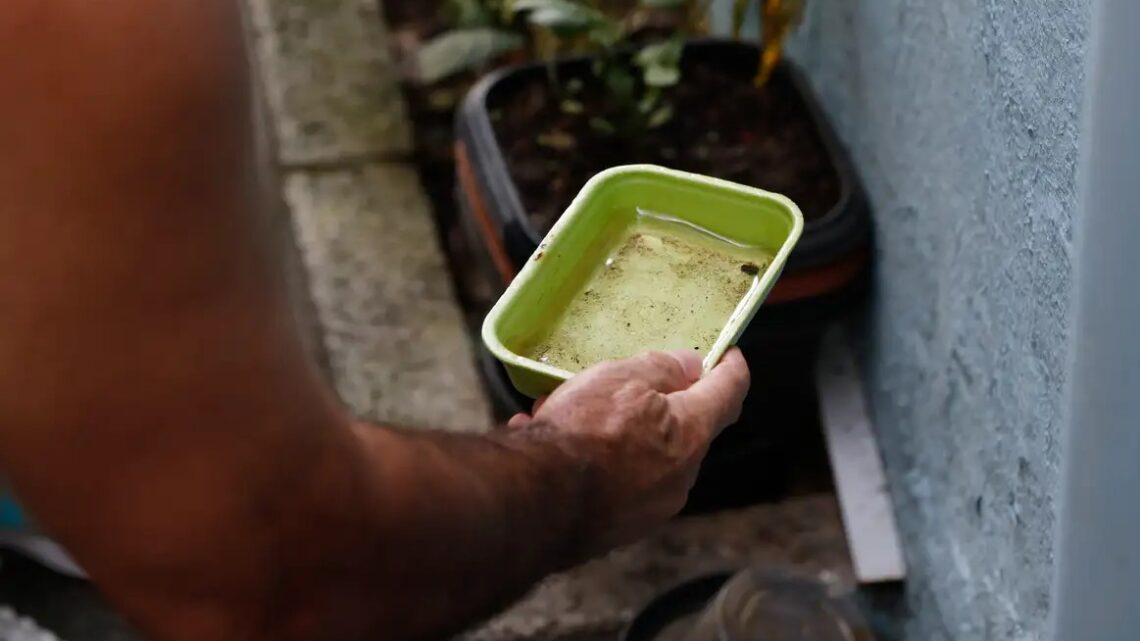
(642, 426)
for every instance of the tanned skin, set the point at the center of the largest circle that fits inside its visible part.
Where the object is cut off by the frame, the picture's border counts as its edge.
(159, 416)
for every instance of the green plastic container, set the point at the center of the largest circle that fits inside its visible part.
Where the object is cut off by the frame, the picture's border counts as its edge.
(604, 211)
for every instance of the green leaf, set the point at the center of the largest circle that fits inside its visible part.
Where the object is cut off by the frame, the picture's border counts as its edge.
(564, 18)
(507, 11)
(606, 34)
(665, 53)
(555, 10)
(663, 115)
(649, 100)
(557, 140)
(619, 83)
(572, 106)
(601, 125)
(453, 52)
(562, 23)
(661, 62)
(662, 76)
(531, 5)
(470, 13)
(663, 4)
(443, 99)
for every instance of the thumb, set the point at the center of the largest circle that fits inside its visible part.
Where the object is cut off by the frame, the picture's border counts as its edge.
(716, 399)
(519, 421)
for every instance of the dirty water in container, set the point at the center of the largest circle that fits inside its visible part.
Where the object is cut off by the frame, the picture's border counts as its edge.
(666, 284)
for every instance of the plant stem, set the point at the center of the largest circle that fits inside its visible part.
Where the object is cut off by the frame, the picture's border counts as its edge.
(779, 18)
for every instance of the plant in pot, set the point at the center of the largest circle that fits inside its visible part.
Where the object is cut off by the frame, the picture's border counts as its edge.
(467, 37)
(441, 47)
(530, 136)
(522, 154)
(526, 154)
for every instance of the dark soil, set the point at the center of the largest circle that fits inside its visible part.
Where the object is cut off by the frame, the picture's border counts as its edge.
(723, 126)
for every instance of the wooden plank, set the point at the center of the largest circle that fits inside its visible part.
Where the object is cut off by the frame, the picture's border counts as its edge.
(861, 484)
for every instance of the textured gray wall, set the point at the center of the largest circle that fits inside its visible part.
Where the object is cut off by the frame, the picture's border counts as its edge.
(962, 116)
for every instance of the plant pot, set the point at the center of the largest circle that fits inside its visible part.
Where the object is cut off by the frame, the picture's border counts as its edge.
(486, 186)
(478, 258)
(837, 290)
(506, 401)
(825, 279)
(826, 275)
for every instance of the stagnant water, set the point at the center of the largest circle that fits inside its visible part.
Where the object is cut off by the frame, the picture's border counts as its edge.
(667, 285)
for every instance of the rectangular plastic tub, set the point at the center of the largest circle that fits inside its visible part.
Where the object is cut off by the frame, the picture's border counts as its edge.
(604, 210)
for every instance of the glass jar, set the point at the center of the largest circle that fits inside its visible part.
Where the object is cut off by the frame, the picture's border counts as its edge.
(768, 605)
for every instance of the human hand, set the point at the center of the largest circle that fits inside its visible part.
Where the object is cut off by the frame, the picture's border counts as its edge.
(641, 428)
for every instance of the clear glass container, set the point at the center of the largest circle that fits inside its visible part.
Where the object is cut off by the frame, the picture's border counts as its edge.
(766, 605)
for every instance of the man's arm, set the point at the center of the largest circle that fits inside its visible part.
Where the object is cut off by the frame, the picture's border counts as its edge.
(157, 412)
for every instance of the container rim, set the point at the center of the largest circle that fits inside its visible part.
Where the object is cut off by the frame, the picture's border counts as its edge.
(740, 316)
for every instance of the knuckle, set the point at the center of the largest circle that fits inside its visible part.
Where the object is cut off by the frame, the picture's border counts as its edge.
(632, 396)
(664, 362)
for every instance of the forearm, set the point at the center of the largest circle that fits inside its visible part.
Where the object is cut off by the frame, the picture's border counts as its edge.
(156, 411)
(363, 533)
(386, 534)
(464, 524)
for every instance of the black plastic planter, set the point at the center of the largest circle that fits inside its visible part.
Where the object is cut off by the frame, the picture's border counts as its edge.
(826, 278)
(486, 188)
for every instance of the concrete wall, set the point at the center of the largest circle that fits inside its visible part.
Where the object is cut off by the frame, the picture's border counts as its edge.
(962, 116)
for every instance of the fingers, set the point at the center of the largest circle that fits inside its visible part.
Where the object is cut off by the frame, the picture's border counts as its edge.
(538, 403)
(522, 419)
(716, 399)
(518, 421)
(665, 372)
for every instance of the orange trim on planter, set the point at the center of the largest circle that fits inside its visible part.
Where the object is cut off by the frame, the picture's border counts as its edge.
(478, 207)
(820, 280)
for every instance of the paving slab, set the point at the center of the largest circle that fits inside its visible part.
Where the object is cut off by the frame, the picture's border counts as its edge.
(599, 598)
(330, 80)
(388, 326)
(590, 603)
(397, 347)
